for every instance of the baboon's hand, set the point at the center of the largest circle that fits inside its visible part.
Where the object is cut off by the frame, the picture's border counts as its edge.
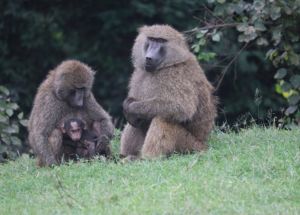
(127, 103)
(90, 148)
(133, 119)
(51, 161)
(103, 147)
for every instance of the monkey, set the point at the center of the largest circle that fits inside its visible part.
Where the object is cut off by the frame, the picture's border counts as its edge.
(66, 90)
(78, 141)
(170, 105)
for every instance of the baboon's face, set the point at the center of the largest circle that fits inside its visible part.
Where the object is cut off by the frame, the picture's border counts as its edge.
(155, 53)
(73, 128)
(76, 97)
(73, 89)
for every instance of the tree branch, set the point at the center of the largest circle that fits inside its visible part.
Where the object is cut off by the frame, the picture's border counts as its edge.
(228, 66)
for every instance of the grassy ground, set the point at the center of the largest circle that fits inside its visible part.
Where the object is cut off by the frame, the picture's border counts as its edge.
(254, 172)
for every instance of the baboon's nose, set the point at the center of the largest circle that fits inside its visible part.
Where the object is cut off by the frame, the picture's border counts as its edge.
(148, 59)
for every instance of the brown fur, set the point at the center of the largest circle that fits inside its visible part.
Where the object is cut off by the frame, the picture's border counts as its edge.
(176, 99)
(50, 107)
(68, 149)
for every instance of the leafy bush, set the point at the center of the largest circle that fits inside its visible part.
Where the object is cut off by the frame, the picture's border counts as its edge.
(99, 33)
(268, 25)
(10, 120)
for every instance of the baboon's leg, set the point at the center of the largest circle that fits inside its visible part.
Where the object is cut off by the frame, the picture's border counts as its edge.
(164, 138)
(39, 161)
(55, 141)
(132, 140)
(103, 146)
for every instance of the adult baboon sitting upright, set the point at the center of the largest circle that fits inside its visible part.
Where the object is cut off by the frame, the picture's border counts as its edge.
(170, 105)
(66, 90)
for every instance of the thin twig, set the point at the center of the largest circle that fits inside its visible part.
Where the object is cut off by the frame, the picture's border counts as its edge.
(228, 66)
(62, 192)
(212, 14)
(208, 27)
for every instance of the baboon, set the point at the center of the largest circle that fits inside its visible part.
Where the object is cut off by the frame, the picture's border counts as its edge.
(170, 105)
(66, 90)
(78, 141)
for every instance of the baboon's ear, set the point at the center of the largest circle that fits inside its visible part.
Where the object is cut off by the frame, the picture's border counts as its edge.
(83, 124)
(93, 72)
(62, 128)
(142, 28)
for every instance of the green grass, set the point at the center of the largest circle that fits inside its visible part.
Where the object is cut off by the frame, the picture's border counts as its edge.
(254, 172)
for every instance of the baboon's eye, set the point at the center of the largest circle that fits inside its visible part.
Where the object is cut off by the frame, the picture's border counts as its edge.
(162, 50)
(72, 92)
(146, 46)
(158, 40)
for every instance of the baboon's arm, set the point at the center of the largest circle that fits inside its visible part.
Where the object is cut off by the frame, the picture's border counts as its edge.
(168, 109)
(103, 126)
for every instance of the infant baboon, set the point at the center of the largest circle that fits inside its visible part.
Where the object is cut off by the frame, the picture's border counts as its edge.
(170, 105)
(78, 141)
(66, 90)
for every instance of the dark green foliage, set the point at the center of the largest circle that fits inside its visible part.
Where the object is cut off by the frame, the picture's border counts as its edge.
(10, 120)
(267, 26)
(37, 35)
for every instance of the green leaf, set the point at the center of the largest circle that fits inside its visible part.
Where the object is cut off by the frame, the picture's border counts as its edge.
(202, 42)
(281, 73)
(221, 1)
(286, 86)
(3, 118)
(275, 12)
(24, 122)
(272, 53)
(13, 129)
(294, 99)
(15, 141)
(288, 10)
(3, 148)
(278, 88)
(295, 80)
(290, 110)
(242, 27)
(294, 58)
(20, 115)
(5, 138)
(199, 35)
(220, 9)
(259, 4)
(276, 35)
(259, 26)
(9, 112)
(4, 90)
(206, 56)
(216, 37)
(262, 41)
(242, 38)
(196, 48)
(239, 7)
(13, 106)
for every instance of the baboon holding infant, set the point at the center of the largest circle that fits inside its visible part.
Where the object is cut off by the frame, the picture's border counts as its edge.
(66, 91)
(170, 105)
